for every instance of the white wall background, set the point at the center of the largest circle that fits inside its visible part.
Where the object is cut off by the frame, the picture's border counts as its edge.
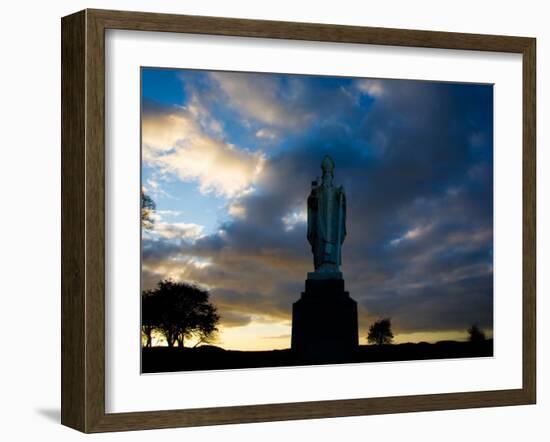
(30, 219)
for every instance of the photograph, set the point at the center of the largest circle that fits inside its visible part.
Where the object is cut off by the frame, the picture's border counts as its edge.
(294, 220)
(275, 221)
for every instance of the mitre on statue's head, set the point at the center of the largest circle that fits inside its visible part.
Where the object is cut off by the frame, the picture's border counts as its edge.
(327, 165)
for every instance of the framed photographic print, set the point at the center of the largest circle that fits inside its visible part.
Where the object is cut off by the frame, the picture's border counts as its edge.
(261, 218)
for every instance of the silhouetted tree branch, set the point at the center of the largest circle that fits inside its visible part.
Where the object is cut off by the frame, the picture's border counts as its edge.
(148, 208)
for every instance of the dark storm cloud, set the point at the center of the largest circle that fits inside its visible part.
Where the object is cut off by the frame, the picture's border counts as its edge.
(416, 163)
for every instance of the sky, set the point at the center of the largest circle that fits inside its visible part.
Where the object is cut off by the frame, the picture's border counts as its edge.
(229, 158)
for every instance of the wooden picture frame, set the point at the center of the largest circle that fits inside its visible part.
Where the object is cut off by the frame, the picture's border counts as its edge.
(83, 220)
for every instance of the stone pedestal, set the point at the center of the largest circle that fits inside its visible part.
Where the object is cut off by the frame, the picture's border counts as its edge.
(324, 322)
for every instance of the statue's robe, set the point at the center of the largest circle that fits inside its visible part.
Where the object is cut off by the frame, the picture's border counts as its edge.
(326, 226)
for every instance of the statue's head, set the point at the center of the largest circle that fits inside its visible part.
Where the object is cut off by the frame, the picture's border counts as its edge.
(328, 170)
(327, 165)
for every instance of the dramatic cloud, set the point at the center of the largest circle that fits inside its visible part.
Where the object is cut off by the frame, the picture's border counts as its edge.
(162, 128)
(374, 88)
(268, 134)
(295, 217)
(415, 159)
(174, 142)
(258, 97)
(177, 230)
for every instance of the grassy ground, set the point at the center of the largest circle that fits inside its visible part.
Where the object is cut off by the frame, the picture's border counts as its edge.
(164, 359)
